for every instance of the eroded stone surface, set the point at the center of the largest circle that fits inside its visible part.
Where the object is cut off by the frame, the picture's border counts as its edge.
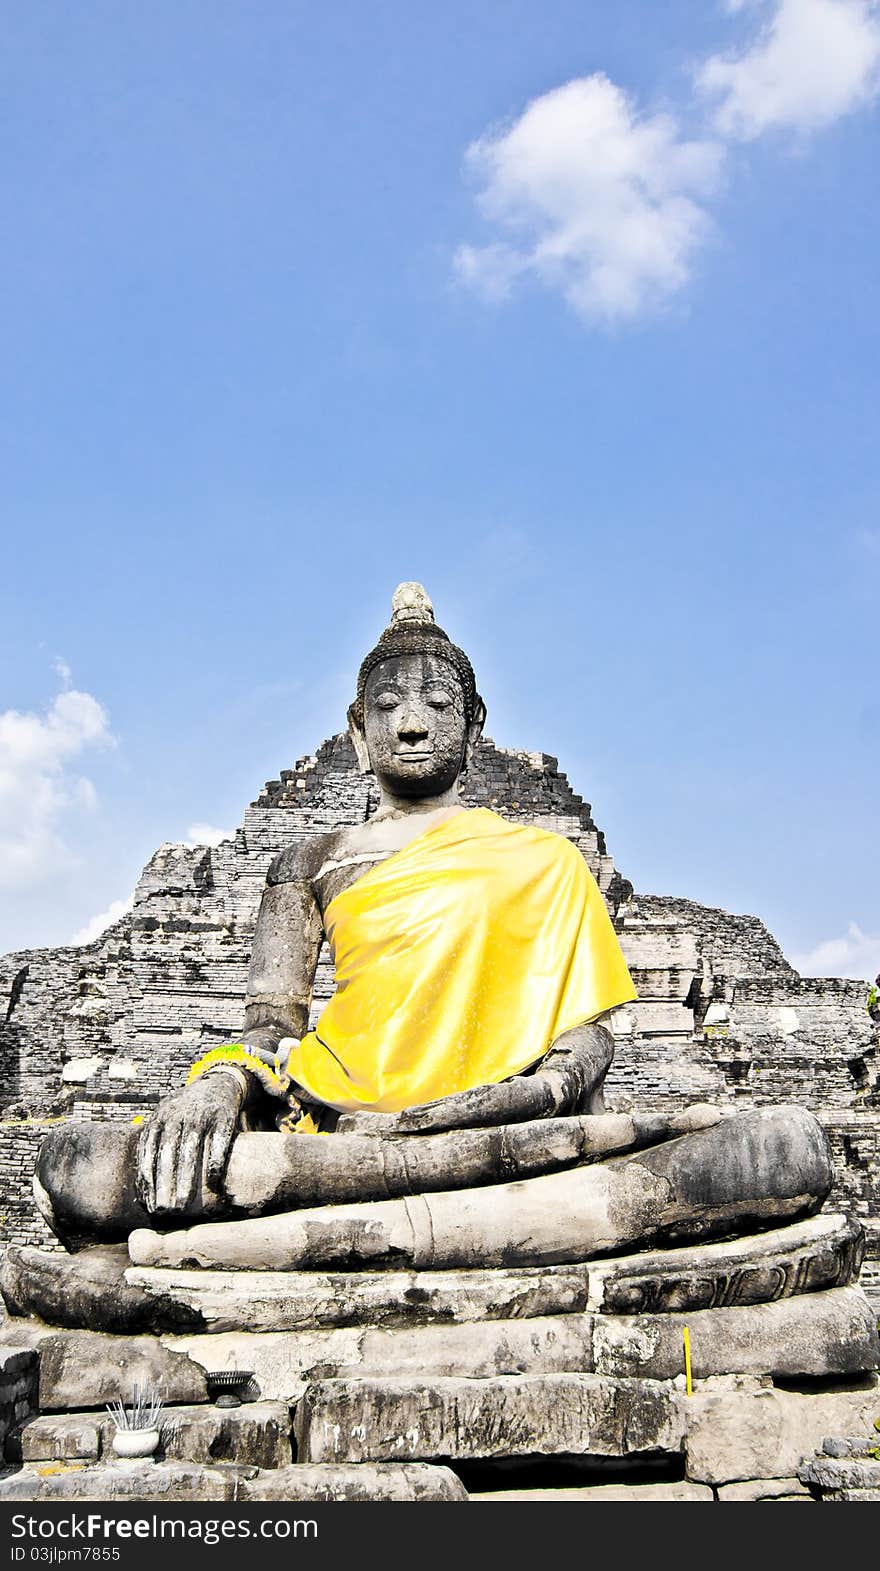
(768, 1433)
(611, 1493)
(831, 1333)
(823, 1252)
(56, 1437)
(88, 1291)
(78, 1369)
(100, 1289)
(826, 1473)
(357, 1481)
(850, 1445)
(764, 1489)
(389, 1419)
(816, 1334)
(767, 1165)
(149, 1481)
(182, 1300)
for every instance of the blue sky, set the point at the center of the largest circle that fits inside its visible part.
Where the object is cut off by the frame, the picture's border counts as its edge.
(568, 310)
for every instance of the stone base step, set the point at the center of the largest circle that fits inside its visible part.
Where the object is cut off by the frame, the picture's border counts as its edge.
(610, 1492)
(812, 1334)
(100, 1289)
(378, 1420)
(257, 1434)
(178, 1481)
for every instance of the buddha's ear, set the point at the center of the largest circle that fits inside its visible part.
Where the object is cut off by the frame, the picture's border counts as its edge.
(359, 740)
(474, 731)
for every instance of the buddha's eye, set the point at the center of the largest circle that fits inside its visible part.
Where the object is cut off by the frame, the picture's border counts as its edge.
(387, 700)
(438, 698)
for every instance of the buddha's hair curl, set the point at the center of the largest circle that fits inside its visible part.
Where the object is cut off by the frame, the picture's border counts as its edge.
(413, 631)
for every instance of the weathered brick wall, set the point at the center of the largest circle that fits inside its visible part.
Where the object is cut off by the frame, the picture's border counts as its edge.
(19, 1385)
(19, 1219)
(103, 1031)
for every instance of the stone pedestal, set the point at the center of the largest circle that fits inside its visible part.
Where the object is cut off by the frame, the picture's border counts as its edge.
(566, 1382)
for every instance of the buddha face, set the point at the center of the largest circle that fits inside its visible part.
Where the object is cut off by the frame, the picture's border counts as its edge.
(415, 725)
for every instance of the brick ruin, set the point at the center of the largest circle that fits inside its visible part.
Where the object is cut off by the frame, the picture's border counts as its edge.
(102, 1031)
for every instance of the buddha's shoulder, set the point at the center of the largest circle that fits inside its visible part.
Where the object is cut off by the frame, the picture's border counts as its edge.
(300, 863)
(533, 830)
(552, 847)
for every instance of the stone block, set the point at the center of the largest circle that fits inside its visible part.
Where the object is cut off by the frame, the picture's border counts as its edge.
(611, 1493)
(764, 1489)
(88, 1289)
(814, 1334)
(852, 1494)
(78, 1070)
(79, 1369)
(850, 1445)
(841, 1473)
(823, 1252)
(305, 1300)
(257, 1434)
(356, 1481)
(735, 1435)
(395, 1419)
(150, 1481)
(831, 1333)
(57, 1437)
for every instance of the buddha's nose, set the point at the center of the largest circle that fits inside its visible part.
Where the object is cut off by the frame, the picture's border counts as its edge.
(412, 727)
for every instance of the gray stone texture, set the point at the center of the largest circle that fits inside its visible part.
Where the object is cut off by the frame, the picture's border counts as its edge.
(612, 1494)
(378, 1420)
(411, 1481)
(832, 1473)
(19, 1377)
(721, 1016)
(78, 1369)
(149, 1481)
(765, 1432)
(763, 1165)
(99, 1287)
(818, 1335)
(764, 1489)
(257, 1434)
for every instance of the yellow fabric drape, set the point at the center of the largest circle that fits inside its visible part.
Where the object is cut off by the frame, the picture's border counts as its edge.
(459, 960)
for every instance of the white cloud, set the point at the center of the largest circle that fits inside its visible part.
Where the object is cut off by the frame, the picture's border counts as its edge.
(813, 61)
(593, 198)
(206, 835)
(36, 788)
(590, 196)
(99, 924)
(856, 954)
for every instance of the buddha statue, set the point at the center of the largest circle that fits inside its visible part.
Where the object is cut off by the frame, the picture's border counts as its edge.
(464, 1049)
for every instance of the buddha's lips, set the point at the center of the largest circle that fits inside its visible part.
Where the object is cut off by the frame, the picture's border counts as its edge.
(413, 758)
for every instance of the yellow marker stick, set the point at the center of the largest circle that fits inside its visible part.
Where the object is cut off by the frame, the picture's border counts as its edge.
(689, 1385)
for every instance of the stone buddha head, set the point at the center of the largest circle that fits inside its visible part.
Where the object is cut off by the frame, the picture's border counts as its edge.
(417, 715)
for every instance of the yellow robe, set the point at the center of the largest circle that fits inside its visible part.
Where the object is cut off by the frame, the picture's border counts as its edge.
(459, 961)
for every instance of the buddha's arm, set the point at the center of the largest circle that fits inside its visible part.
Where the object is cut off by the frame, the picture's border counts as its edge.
(568, 1080)
(287, 943)
(191, 1132)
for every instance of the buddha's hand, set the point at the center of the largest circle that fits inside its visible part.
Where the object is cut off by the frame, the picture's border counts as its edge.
(186, 1144)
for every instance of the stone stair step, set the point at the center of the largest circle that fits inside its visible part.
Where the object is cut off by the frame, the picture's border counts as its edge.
(811, 1334)
(257, 1434)
(117, 1481)
(355, 1481)
(609, 1492)
(513, 1415)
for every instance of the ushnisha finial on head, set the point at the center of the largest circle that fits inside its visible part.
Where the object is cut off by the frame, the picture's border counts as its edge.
(411, 603)
(413, 631)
